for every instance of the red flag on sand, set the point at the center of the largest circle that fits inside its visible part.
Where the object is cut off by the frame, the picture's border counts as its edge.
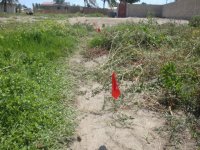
(115, 88)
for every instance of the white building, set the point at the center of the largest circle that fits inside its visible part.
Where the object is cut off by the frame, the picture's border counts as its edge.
(11, 8)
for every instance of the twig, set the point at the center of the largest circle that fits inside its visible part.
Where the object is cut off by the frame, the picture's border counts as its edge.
(170, 110)
(6, 68)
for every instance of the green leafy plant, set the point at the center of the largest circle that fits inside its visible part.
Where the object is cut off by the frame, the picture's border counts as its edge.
(183, 84)
(170, 78)
(100, 41)
(195, 21)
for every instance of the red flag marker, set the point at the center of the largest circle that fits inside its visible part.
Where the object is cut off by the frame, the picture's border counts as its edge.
(98, 30)
(115, 88)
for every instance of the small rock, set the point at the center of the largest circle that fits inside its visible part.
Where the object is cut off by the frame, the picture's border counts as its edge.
(103, 147)
(79, 139)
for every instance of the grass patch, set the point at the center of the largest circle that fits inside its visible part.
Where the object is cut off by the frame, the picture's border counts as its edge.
(34, 112)
(67, 15)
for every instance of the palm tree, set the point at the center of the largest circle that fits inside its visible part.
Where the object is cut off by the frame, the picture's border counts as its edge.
(59, 1)
(7, 2)
(104, 2)
(111, 3)
(90, 3)
(130, 1)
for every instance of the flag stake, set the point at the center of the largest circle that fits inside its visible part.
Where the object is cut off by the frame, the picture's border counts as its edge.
(115, 90)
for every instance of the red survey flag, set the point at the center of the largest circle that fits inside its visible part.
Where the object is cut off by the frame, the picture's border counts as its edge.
(115, 88)
(98, 29)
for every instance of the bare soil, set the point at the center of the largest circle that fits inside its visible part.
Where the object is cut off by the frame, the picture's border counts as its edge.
(95, 21)
(18, 19)
(125, 128)
(104, 21)
(99, 124)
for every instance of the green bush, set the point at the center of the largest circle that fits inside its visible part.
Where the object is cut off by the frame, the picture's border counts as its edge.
(170, 79)
(183, 84)
(195, 21)
(144, 36)
(100, 41)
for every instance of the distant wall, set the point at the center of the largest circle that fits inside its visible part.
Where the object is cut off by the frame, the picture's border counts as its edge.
(95, 10)
(143, 10)
(74, 9)
(52, 9)
(70, 9)
(182, 9)
(10, 8)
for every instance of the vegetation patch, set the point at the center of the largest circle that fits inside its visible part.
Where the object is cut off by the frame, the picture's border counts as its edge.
(195, 21)
(160, 59)
(53, 16)
(34, 110)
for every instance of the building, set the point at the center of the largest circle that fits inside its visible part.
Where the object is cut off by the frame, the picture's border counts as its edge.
(10, 8)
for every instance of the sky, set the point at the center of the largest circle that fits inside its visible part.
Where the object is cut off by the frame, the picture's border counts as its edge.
(81, 2)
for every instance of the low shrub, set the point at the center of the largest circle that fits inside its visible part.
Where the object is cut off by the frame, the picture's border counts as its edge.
(100, 41)
(183, 84)
(195, 21)
(142, 36)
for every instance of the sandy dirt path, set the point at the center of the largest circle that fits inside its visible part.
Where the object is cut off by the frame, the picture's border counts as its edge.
(98, 123)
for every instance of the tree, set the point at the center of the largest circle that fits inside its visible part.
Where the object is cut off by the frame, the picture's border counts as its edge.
(24, 6)
(104, 2)
(111, 3)
(7, 2)
(130, 1)
(59, 1)
(90, 3)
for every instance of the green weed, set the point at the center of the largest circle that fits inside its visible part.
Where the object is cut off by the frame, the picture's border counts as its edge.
(184, 85)
(195, 21)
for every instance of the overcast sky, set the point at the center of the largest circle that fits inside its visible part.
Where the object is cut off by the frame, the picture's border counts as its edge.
(81, 2)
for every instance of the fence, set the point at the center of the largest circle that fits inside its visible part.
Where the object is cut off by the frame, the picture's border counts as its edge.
(181, 9)
(143, 10)
(70, 9)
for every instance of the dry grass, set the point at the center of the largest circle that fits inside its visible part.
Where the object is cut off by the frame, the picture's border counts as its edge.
(162, 61)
